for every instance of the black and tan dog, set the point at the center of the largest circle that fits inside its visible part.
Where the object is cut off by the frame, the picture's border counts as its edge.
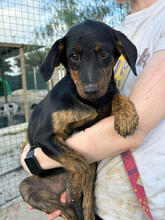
(85, 95)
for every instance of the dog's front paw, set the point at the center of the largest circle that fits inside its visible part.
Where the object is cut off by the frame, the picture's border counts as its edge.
(126, 118)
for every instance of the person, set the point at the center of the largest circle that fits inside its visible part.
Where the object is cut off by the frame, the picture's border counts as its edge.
(114, 196)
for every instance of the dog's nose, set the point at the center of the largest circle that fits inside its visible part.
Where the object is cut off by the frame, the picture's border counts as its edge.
(92, 88)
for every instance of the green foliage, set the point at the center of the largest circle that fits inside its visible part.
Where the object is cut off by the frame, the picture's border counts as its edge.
(33, 58)
(66, 13)
(5, 65)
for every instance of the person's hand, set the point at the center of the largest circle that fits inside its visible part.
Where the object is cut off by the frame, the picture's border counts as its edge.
(57, 212)
(44, 161)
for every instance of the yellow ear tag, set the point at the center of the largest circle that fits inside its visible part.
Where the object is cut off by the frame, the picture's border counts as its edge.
(121, 72)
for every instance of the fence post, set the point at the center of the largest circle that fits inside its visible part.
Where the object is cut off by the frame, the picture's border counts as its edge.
(24, 85)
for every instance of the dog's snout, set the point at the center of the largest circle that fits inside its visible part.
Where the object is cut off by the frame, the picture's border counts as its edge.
(92, 88)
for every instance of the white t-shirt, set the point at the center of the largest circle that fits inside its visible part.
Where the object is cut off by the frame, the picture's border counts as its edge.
(115, 198)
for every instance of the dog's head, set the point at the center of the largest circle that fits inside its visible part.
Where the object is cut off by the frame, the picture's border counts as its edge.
(89, 52)
(9, 108)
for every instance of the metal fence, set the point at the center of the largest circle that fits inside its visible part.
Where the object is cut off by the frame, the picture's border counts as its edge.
(27, 30)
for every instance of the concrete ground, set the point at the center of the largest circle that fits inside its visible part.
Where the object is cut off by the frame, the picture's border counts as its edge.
(18, 210)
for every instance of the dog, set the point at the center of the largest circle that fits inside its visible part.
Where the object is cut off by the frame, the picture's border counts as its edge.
(85, 95)
(9, 108)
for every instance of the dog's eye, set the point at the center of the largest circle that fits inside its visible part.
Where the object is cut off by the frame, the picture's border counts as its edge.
(104, 54)
(75, 56)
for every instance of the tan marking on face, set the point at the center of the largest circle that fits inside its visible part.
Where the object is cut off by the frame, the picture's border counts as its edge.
(61, 47)
(119, 43)
(98, 47)
(103, 83)
(74, 75)
(77, 81)
(78, 48)
(119, 46)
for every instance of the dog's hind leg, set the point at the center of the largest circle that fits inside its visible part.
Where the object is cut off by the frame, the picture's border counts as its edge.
(43, 193)
(78, 168)
(73, 162)
(88, 194)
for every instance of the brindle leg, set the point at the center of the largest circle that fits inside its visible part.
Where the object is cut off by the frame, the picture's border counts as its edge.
(78, 167)
(43, 193)
(126, 118)
(88, 199)
(69, 214)
(76, 164)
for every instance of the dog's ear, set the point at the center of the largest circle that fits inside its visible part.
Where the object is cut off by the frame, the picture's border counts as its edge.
(125, 47)
(53, 59)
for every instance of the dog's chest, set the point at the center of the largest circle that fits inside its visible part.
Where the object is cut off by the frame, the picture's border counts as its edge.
(65, 122)
(104, 111)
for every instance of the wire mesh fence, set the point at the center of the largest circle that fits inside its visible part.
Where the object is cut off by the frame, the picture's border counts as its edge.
(27, 29)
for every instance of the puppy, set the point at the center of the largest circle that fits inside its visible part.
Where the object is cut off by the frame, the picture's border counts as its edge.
(85, 95)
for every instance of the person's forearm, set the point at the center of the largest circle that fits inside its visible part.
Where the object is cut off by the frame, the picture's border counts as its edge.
(101, 141)
(44, 161)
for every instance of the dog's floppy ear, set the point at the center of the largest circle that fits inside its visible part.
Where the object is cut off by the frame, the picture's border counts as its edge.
(125, 47)
(52, 60)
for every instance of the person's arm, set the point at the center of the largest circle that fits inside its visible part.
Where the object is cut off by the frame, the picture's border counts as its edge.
(44, 161)
(101, 140)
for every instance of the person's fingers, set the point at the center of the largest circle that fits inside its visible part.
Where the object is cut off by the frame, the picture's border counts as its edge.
(54, 214)
(51, 216)
(31, 208)
(57, 213)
